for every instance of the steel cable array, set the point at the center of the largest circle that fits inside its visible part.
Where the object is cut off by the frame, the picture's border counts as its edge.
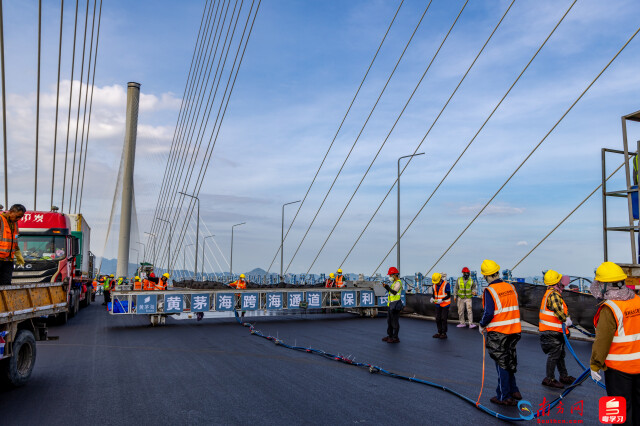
(344, 118)
(396, 122)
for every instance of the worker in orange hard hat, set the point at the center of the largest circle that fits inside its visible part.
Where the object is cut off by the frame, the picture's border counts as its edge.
(394, 303)
(331, 281)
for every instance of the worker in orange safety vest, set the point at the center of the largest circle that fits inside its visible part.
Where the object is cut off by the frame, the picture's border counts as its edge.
(239, 284)
(340, 281)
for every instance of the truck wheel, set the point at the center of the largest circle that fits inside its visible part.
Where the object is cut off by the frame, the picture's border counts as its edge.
(72, 305)
(17, 370)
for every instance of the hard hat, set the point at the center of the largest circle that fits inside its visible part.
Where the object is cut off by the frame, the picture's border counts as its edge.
(466, 270)
(489, 267)
(339, 271)
(241, 275)
(609, 272)
(332, 275)
(166, 275)
(552, 277)
(137, 278)
(111, 276)
(393, 271)
(436, 278)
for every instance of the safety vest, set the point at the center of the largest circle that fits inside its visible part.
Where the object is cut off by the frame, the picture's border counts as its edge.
(340, 281)
(624, 353)
(548, 320)
(95, 285)
(330, 283)
(162, 285)
(241, 284)
(8, 241)
(506, 316)
(105, 286)
(440, 295)
(394, 297)
(464, 288)
(137, 285)
(147, 285)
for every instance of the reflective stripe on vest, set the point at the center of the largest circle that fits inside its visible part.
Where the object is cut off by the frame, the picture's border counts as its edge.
(624, 353)
(8, 242)
(548, 320)
(464, 288)
(440, 295)
(506, 315)
(394, 297)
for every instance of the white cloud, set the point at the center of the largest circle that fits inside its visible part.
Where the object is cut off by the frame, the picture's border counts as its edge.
(522, 243)
(493, 209)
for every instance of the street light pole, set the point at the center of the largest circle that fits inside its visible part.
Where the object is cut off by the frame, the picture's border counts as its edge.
(398, 235)
(195, 270)
(282, 241)
(154, 244)
(184, 257)
(204, 243)
(144, 250)
(231, 263)
(169, 248)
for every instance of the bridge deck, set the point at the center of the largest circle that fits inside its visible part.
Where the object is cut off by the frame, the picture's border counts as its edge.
(118, 370)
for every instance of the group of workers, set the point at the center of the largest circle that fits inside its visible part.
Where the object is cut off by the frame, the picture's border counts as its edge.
(336, 280)
(616, 348)
(108, 283)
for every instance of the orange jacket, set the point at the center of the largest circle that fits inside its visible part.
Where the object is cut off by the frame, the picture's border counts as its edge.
(340, 281)
(440, 295)
(548, 320)
(239, 284)
(506, 316)
(147, 285)
(137, 285)
(624, 352)
(8, 239)
(162, 285)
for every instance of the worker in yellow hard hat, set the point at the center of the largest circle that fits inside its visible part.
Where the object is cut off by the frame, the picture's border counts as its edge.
(616, 348)
(162, 282)
(240, 283)
(340, 281)
(553, 313)
(501, 321)
(442, 299)
(331, 281)
(137, 284)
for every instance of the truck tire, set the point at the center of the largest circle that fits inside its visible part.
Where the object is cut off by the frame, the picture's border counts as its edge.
(17, 370)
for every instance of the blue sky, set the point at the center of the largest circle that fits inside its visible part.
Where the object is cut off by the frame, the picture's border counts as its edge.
(302, 67)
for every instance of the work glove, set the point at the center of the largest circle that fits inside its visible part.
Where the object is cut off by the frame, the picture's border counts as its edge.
(568, 322)
(481, 329)
(432, 300)
(19, 258)
(596, 376)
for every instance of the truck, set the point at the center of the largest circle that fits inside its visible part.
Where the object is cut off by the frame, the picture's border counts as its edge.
(22, 309)
(55, 247)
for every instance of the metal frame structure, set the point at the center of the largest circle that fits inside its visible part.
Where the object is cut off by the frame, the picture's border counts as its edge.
(633, 268)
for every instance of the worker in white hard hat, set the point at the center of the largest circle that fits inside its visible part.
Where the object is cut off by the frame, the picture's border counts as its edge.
(340, 281)
(331, 281)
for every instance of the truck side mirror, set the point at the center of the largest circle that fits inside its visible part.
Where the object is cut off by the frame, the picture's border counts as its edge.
(76, 246)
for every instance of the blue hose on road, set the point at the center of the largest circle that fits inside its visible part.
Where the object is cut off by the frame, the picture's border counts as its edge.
(376, 369)
(573, 353)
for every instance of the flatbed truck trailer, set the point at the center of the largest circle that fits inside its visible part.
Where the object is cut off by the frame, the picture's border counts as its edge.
(23, 309)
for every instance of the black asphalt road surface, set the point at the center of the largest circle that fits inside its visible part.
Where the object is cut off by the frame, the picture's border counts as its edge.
(117, 370)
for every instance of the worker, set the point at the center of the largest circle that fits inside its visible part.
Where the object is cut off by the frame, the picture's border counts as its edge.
(553, 313)
(463, 291)
(9, 250)
(442, 299)
(394, 305)
(501, 321)
(100, 284)
(340, 281)
(94, 284)
(616, 349)
(151, 274)
(162, 282)
(137, 284)
(108, 284)
(331, 281)
(239, 284)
